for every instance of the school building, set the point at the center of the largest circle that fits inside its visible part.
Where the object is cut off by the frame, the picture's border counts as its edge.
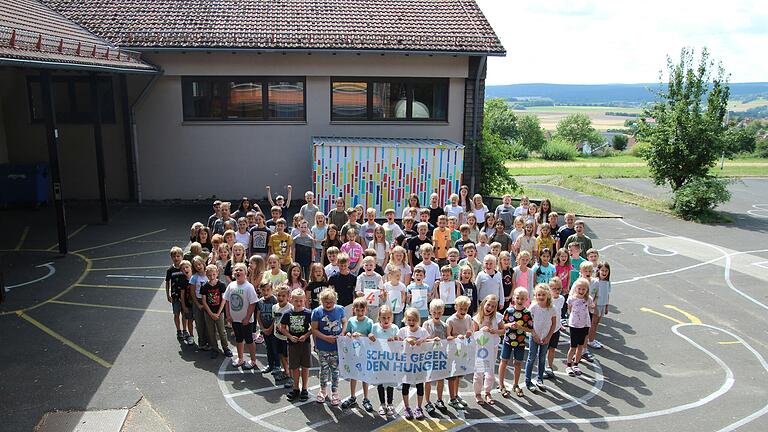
(202, 98)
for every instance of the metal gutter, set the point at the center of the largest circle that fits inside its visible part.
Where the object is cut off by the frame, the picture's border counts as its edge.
(474, 118)
(42, 64)
(325, 51)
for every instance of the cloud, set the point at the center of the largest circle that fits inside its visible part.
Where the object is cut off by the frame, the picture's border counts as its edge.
(598, 41)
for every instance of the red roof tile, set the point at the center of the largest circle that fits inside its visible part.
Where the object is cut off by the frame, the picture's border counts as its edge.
(32, 32)
(449, 26)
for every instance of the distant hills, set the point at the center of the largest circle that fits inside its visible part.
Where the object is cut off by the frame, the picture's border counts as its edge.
(619, 95)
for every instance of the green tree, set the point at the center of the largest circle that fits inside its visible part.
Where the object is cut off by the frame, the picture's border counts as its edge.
(620, 142)
(530, 133)
(739, 140)
(686, 137)
(499, 119)
(577, 128)
(493, 153)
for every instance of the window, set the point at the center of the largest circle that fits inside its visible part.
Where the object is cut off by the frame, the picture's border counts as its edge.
(71, 99)
(243, 98)
(390, 99)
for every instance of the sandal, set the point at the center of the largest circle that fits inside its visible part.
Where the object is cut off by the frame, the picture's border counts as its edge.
(335, 399)
(320, 398)
(489, 399)
(518, 391)
(504, 392)
(479, 399)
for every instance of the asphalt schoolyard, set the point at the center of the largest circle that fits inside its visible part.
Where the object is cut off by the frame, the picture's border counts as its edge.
(685, 338)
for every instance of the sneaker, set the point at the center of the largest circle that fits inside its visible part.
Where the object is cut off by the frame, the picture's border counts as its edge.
(288, 383)
(304, 395)
(455, 404)
(350, 401)
(249, 365)
(564, 322)
(418, 414)
(440, 405)
(569, 371)
(531, 388)
(408, 414)
(227, 352)
(184, 334)
(383, 410)
(462, 401)
(293, 395)
(549, 373)
(588, 356)
(367, 405)
(259, 339)
(540, 385)
(179, 335)
(391, 410)
(429, 408)
(266, 370)
(576, 370)
(236, 362)
(595, 344)
(190, 340)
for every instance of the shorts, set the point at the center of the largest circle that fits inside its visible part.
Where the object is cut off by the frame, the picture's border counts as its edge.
(554, 340)
(281, 346)
(578, 336)
(243, 333)
(176, 305)
(299, 355)
(507, 351)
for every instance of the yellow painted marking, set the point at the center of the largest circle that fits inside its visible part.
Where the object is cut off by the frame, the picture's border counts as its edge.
(120, 287)
(82, 227)
(427, 424)
(121, 241)
(64, 340)
(128, 268)
(88, 265)
(691, 317)
(69, 303)
(730, 343)
(23, 237)
(661, 315)
(129, 255)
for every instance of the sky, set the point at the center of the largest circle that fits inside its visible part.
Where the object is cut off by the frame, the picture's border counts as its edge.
(620, 41)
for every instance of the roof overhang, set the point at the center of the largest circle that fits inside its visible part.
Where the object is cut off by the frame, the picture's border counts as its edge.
(43, 64)
(321, 51)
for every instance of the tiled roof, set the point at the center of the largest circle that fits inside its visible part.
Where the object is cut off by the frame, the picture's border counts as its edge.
(33, 34)
(441, 26)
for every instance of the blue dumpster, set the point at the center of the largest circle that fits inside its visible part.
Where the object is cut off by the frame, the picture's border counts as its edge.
(23, 184)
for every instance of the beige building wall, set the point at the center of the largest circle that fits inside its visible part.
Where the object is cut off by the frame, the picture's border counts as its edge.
(190, 160)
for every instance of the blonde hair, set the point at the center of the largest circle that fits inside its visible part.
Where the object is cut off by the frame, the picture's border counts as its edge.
(411, 312)
(544, 288)
(328, 294)
(198, 260)
(436, 305)
(580, 281)
(555, 283)
(297, 293)
(426, 247)
(523, 254)
(176, 251)
(520, 290)
(586, 265)
(462, 301)
(480, 315)
(393, 269)
(211, 267)
(360, 302)
(384, 310)
(369, 259)
(240, 266)
(185, 263)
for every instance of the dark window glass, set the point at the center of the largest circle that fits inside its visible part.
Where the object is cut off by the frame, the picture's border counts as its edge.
(349, 100)
(72, 99)
(390, 99)
(242, 98)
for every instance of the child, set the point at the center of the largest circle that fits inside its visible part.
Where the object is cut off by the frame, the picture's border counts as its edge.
(380, 245)
(454, 209)
(327, 323)
(447, 289)
(367, 229)
(581, 238)
(489, 281)
(408, 230)
(223, 257)
(304, 248)
(545, 323)
(519, 228)
(296, 326)
(309, 210)
(441, 240)
(543, 271)
(281, 340)
(186, 300)
(369, 280)
(436, 330)
(574, 251)
(454, 227)
(197, 280)
(281, 244)
(351, 223)
(507, 272)
(489, 225)
(332, 254)
(527, 241)
(241, 298)
(563, 272)
(317, 283)
(553, 226)
(593, 256)
(318, 232)
(344, 283)
(600, 289)
(352, 248)
(545, 240)
(523, 275)
(275, 276)
(195, 249)
(431, 270)
(394, 294)
(338, 216)
(266, 320)
(276, 213)
(280, 201)
(487, 320)
(555, 288)
(238, 256)
(394, 234)
(384, 329)
(471, 259)
(259, 244)
(478, 207)
(213, 306)
(579, 304)
(419, 304)
(435, 210)
(483, 248)
(173, 287)
(460, 327)
(242, 236)
(506, 212)
(297, 219)
(517, 322)
(474, 230)
(295, 277)
(523, 208)
(501, 237)
(415, 243)
(566, 230)
(468, 287)
(463, 241)
(453, 263)
(397, 260)
(413, 334)
(331, 241)
(357, 326)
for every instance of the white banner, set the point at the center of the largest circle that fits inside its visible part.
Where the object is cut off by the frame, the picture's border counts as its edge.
(383, 362)
(487, 350)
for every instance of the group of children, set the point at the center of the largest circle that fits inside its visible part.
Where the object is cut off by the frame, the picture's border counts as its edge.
(296, 293)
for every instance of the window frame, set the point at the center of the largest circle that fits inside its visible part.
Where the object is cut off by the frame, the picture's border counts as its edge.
(409, 83)
(186, 86)
(73, 116)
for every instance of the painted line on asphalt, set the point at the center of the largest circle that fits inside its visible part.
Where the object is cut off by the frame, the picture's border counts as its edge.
(55, 245)
(23, 237)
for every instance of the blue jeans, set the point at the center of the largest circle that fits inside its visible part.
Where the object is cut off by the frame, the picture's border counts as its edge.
(273, 358)
(535, 351)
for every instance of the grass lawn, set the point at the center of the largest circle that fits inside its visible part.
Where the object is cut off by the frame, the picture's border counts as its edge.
(562, 204)
(735, 105)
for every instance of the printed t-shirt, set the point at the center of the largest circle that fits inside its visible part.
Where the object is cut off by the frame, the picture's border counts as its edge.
(274, 279)
(213, 294)
(298, 322)
(431, 272)
(414, 245)
(315, 288)
(353, 250)
(259, 239)
(265, 310)
(579, 316)
(441, 240)
(435, 329)
(423, 304)
(329, 323)
(543, 273)
(516, 337)
(178, 283)
(239, 298)
(198, 280)
(278, 313)
(405, 333)
(395, 296)
(280, 245)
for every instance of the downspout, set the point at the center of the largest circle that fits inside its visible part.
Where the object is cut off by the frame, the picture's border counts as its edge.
(475, 98)
(134, 105)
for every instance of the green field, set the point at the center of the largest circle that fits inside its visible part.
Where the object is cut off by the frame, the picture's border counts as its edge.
(549, 116)
(739, 106)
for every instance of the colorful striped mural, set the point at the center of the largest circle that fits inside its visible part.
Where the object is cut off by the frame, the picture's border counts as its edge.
(382, 172)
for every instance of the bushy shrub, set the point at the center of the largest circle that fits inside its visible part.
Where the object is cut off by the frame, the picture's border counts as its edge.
(699, 196)
(620, 142)
(640, 149)
(518, 151)
(493, 152)
(761, 148)
(559, 149)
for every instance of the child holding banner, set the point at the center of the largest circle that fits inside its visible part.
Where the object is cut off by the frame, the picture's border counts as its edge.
(369, 285)
(517, 322)
(327, 323)
(447, 289)
(436, 330)
(384, 329)
(460, 327)
(413, 334)
(488, 322)
(359, 325)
